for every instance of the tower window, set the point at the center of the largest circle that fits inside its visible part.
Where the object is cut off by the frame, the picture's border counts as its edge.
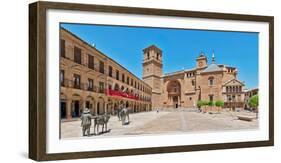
(192, 82)
(148, 55)
(211, 80)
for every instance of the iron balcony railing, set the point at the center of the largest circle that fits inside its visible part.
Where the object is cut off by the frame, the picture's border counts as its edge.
(82, 86)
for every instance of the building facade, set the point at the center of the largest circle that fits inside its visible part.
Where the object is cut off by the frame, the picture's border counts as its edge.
(248, 94)
(90, 79)
(210, 82)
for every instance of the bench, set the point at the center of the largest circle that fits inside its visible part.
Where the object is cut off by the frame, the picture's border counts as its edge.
(245, 118)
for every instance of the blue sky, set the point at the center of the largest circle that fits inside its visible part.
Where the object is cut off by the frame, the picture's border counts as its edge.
(180, 47)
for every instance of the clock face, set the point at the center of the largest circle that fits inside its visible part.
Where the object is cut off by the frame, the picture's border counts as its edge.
(200, 64)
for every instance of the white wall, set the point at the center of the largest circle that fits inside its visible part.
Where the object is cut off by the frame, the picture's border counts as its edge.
(14, 80)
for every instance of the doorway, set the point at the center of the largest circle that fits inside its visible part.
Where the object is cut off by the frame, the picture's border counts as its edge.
(63, 109)
(175, 101)
(76, 110)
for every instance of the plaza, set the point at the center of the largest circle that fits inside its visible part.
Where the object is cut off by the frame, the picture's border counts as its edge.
(173, 121)
(90, 78)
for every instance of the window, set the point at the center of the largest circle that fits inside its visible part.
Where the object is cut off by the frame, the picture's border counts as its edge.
(76, 81)
(62, 77)
(123, 78)
(229, 98)
(211, 80)
(128, 80)
(117, 75)
(77, 55)
(101, 68)
(233, 98)
(90, 84)
(132, 82)
(101, 87)
(110, 71)
(148, 55)
(135, 84)
(157, 57)
(62, 48)
(192, 82)
(91, 63)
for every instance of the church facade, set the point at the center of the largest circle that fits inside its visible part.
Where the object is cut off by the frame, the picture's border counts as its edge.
(183, 89)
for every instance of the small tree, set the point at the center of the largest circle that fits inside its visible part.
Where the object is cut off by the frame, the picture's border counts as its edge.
(205, 103)
(200, 103)
(219, 104)
(211, 104)
(254, 103)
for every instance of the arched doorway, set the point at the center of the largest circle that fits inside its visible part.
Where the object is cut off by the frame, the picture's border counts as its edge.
(127, 104)
(116, 87)
(174, 93)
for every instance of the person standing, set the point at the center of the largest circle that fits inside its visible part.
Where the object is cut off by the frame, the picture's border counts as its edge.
(86, 122)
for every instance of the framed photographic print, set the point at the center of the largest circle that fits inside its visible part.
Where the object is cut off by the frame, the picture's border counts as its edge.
(112, 81)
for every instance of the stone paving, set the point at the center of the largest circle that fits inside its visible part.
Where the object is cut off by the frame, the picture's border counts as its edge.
(177, 121)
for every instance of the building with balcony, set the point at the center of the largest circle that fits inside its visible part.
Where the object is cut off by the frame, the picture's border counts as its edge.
(89, 78)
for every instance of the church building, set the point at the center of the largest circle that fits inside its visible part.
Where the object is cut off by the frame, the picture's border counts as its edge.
(183, 89)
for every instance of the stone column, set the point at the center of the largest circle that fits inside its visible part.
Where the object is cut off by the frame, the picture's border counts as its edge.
(68, 109)
(179, 101)
(72, 106)
(96, 108)
(105, 107)
(83, 104)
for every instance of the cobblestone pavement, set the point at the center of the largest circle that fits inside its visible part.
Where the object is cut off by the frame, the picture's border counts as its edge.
(166, 122)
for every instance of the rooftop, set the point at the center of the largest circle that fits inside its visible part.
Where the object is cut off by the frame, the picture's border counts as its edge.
(212, 68)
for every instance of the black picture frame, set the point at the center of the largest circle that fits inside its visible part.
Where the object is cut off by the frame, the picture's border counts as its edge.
(37, 79)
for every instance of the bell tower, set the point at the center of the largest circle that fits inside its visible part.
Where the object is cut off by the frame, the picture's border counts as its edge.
(152, 68)
(201, 61)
